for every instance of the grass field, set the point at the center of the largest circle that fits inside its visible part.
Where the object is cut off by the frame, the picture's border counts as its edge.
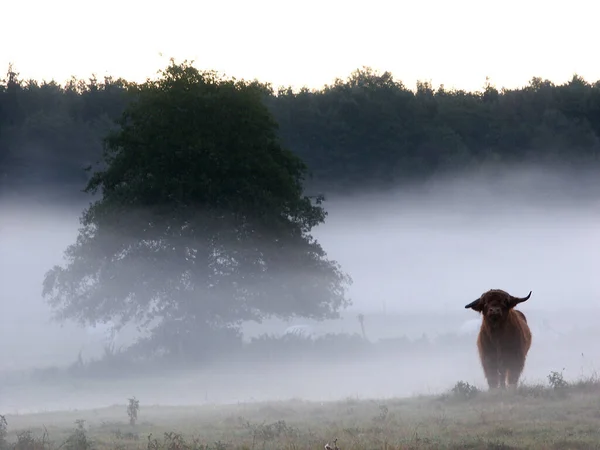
(559, 415)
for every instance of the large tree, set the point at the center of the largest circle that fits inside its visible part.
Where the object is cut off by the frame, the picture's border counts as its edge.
(202, 221)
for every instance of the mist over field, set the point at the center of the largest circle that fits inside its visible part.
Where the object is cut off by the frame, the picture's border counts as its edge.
(416, 256)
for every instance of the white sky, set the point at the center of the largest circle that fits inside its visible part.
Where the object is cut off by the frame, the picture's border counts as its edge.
(457, 43)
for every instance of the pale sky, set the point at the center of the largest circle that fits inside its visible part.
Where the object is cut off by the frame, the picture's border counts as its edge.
(457, 43)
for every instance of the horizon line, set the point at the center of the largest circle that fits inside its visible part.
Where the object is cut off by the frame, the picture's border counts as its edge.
(296, 88)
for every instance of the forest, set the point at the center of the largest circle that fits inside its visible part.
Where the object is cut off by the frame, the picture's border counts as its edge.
(368, 130)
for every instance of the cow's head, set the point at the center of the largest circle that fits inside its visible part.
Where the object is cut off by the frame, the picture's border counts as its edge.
(495, 305)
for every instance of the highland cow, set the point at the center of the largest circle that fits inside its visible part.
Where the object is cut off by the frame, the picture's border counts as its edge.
(504, 337)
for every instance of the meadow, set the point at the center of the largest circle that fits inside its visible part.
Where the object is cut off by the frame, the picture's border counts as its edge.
(557, 414)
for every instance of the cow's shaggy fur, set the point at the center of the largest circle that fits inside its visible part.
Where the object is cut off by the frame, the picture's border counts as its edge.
(504, 337)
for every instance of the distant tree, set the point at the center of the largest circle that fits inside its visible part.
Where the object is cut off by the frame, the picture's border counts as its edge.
(202, 222)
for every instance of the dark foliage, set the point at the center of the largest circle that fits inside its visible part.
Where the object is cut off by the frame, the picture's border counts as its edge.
(365, 131)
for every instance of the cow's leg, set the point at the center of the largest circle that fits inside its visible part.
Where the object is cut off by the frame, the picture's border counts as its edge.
(515, 368)
(490, 369)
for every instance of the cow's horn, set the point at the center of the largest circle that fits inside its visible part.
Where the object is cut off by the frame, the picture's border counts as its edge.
(517, 300)
(473, 303)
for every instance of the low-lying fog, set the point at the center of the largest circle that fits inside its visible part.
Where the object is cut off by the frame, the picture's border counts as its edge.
(416, 258)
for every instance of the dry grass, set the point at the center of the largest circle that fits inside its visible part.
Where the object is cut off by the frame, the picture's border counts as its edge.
(566, 416)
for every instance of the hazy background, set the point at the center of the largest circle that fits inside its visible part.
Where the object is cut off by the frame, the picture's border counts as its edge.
(417, 256)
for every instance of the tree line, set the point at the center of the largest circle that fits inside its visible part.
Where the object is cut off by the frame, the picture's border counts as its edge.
(367, 130)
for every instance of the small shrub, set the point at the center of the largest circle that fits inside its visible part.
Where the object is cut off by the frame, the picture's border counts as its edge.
(132, 410)
(464, 390)
(557, 380)
(78, 440)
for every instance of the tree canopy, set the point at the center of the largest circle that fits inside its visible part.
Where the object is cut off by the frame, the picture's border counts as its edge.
(202, 221)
